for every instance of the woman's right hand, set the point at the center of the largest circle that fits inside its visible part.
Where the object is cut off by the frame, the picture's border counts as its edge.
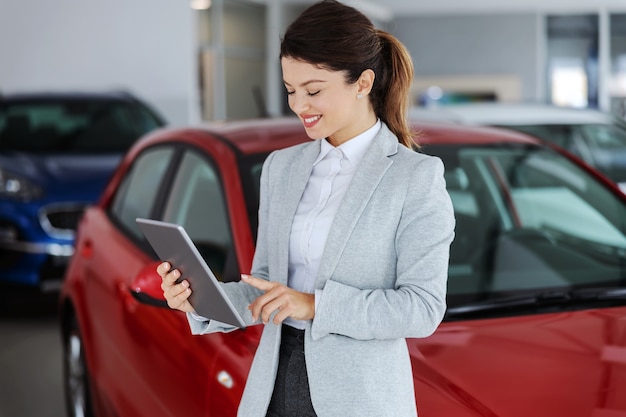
(176, 295)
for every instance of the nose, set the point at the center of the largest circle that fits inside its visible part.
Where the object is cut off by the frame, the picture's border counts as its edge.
(298, 102)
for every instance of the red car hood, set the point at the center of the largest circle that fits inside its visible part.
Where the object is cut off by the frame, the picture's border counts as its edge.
(569, 364)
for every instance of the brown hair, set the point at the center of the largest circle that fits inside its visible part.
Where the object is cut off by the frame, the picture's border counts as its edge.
(340, 38)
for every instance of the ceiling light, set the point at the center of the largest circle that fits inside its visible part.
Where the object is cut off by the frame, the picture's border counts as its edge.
(200, 4)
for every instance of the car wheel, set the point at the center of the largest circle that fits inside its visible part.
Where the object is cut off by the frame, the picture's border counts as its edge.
(75, 374)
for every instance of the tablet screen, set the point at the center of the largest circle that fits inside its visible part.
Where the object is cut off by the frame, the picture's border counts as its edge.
(171, 243)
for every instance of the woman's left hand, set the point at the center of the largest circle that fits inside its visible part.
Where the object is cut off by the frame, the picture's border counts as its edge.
(278, 297)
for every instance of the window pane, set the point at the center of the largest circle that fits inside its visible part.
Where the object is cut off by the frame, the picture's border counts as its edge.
(73, 126)
(196, 202)
(245, 81)
(528, 219)
(244, 24)
(138, 191)
(573, 60)
(617, 80)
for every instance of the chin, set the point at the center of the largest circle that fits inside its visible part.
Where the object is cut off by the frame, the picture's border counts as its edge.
(314, 135)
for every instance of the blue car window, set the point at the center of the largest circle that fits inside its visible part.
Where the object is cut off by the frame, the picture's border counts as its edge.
(73, 126)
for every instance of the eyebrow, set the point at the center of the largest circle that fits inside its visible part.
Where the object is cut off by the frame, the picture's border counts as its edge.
(304, 84)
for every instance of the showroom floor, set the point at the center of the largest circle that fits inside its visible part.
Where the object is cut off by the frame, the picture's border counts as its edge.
(30, 356)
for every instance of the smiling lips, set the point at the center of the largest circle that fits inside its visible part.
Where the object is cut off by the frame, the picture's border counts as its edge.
(310, 121)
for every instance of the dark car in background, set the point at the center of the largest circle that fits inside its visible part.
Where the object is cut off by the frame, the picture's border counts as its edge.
(57, 152)
(536, 319)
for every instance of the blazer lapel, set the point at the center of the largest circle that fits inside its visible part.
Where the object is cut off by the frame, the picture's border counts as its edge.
(297, 177)
(371, 170)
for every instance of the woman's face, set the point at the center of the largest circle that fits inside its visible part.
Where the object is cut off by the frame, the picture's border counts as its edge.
(327, 106)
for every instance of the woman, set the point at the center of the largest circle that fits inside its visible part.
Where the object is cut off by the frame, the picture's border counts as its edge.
(354, 233)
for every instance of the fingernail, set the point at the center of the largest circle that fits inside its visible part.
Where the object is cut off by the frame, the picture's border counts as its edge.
(244, 277)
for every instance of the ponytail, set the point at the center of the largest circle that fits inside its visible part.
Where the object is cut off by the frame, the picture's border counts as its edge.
(390, 95)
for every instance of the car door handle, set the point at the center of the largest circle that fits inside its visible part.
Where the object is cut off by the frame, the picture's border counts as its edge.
(126, 296)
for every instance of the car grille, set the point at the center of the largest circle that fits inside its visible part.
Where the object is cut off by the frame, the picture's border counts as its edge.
(61, 220)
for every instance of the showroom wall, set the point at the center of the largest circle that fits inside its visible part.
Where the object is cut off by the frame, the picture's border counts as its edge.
(144, 46)
(485, 48)
(162, 51)
(153, 48)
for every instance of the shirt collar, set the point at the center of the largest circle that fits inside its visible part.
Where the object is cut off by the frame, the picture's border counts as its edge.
(352, 149)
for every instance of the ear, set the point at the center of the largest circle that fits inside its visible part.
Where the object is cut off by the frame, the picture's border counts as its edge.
(366, 82)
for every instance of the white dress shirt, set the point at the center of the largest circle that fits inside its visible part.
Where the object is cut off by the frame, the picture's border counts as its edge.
(331, 175)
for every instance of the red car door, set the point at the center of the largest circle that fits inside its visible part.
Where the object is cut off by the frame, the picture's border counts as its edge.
(146, 359)
(144, 356)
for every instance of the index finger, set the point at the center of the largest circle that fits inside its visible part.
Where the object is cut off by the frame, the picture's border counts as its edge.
(258, 283)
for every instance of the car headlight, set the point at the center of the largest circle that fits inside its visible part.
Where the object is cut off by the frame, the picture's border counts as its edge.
(18, 188)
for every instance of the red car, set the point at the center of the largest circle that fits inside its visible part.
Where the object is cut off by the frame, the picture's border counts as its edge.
(536, 324)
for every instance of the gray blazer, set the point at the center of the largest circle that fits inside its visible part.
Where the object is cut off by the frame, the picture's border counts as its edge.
(383, 274)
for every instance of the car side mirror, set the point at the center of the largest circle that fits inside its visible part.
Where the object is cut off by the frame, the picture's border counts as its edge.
(146, 287)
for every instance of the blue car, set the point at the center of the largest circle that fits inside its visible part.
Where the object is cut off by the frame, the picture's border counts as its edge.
(57, 152)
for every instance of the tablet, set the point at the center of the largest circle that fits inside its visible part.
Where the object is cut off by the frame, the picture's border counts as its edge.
(171, 243)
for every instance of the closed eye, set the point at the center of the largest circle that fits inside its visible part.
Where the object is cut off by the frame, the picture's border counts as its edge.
(289, 93)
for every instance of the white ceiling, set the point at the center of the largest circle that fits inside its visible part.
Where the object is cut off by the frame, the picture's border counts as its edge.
(400, 7)
(388, 9)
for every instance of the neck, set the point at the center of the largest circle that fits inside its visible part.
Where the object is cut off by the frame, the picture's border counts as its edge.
(355, 130)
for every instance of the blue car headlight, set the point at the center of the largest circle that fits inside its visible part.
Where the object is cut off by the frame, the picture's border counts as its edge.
(16, 187)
